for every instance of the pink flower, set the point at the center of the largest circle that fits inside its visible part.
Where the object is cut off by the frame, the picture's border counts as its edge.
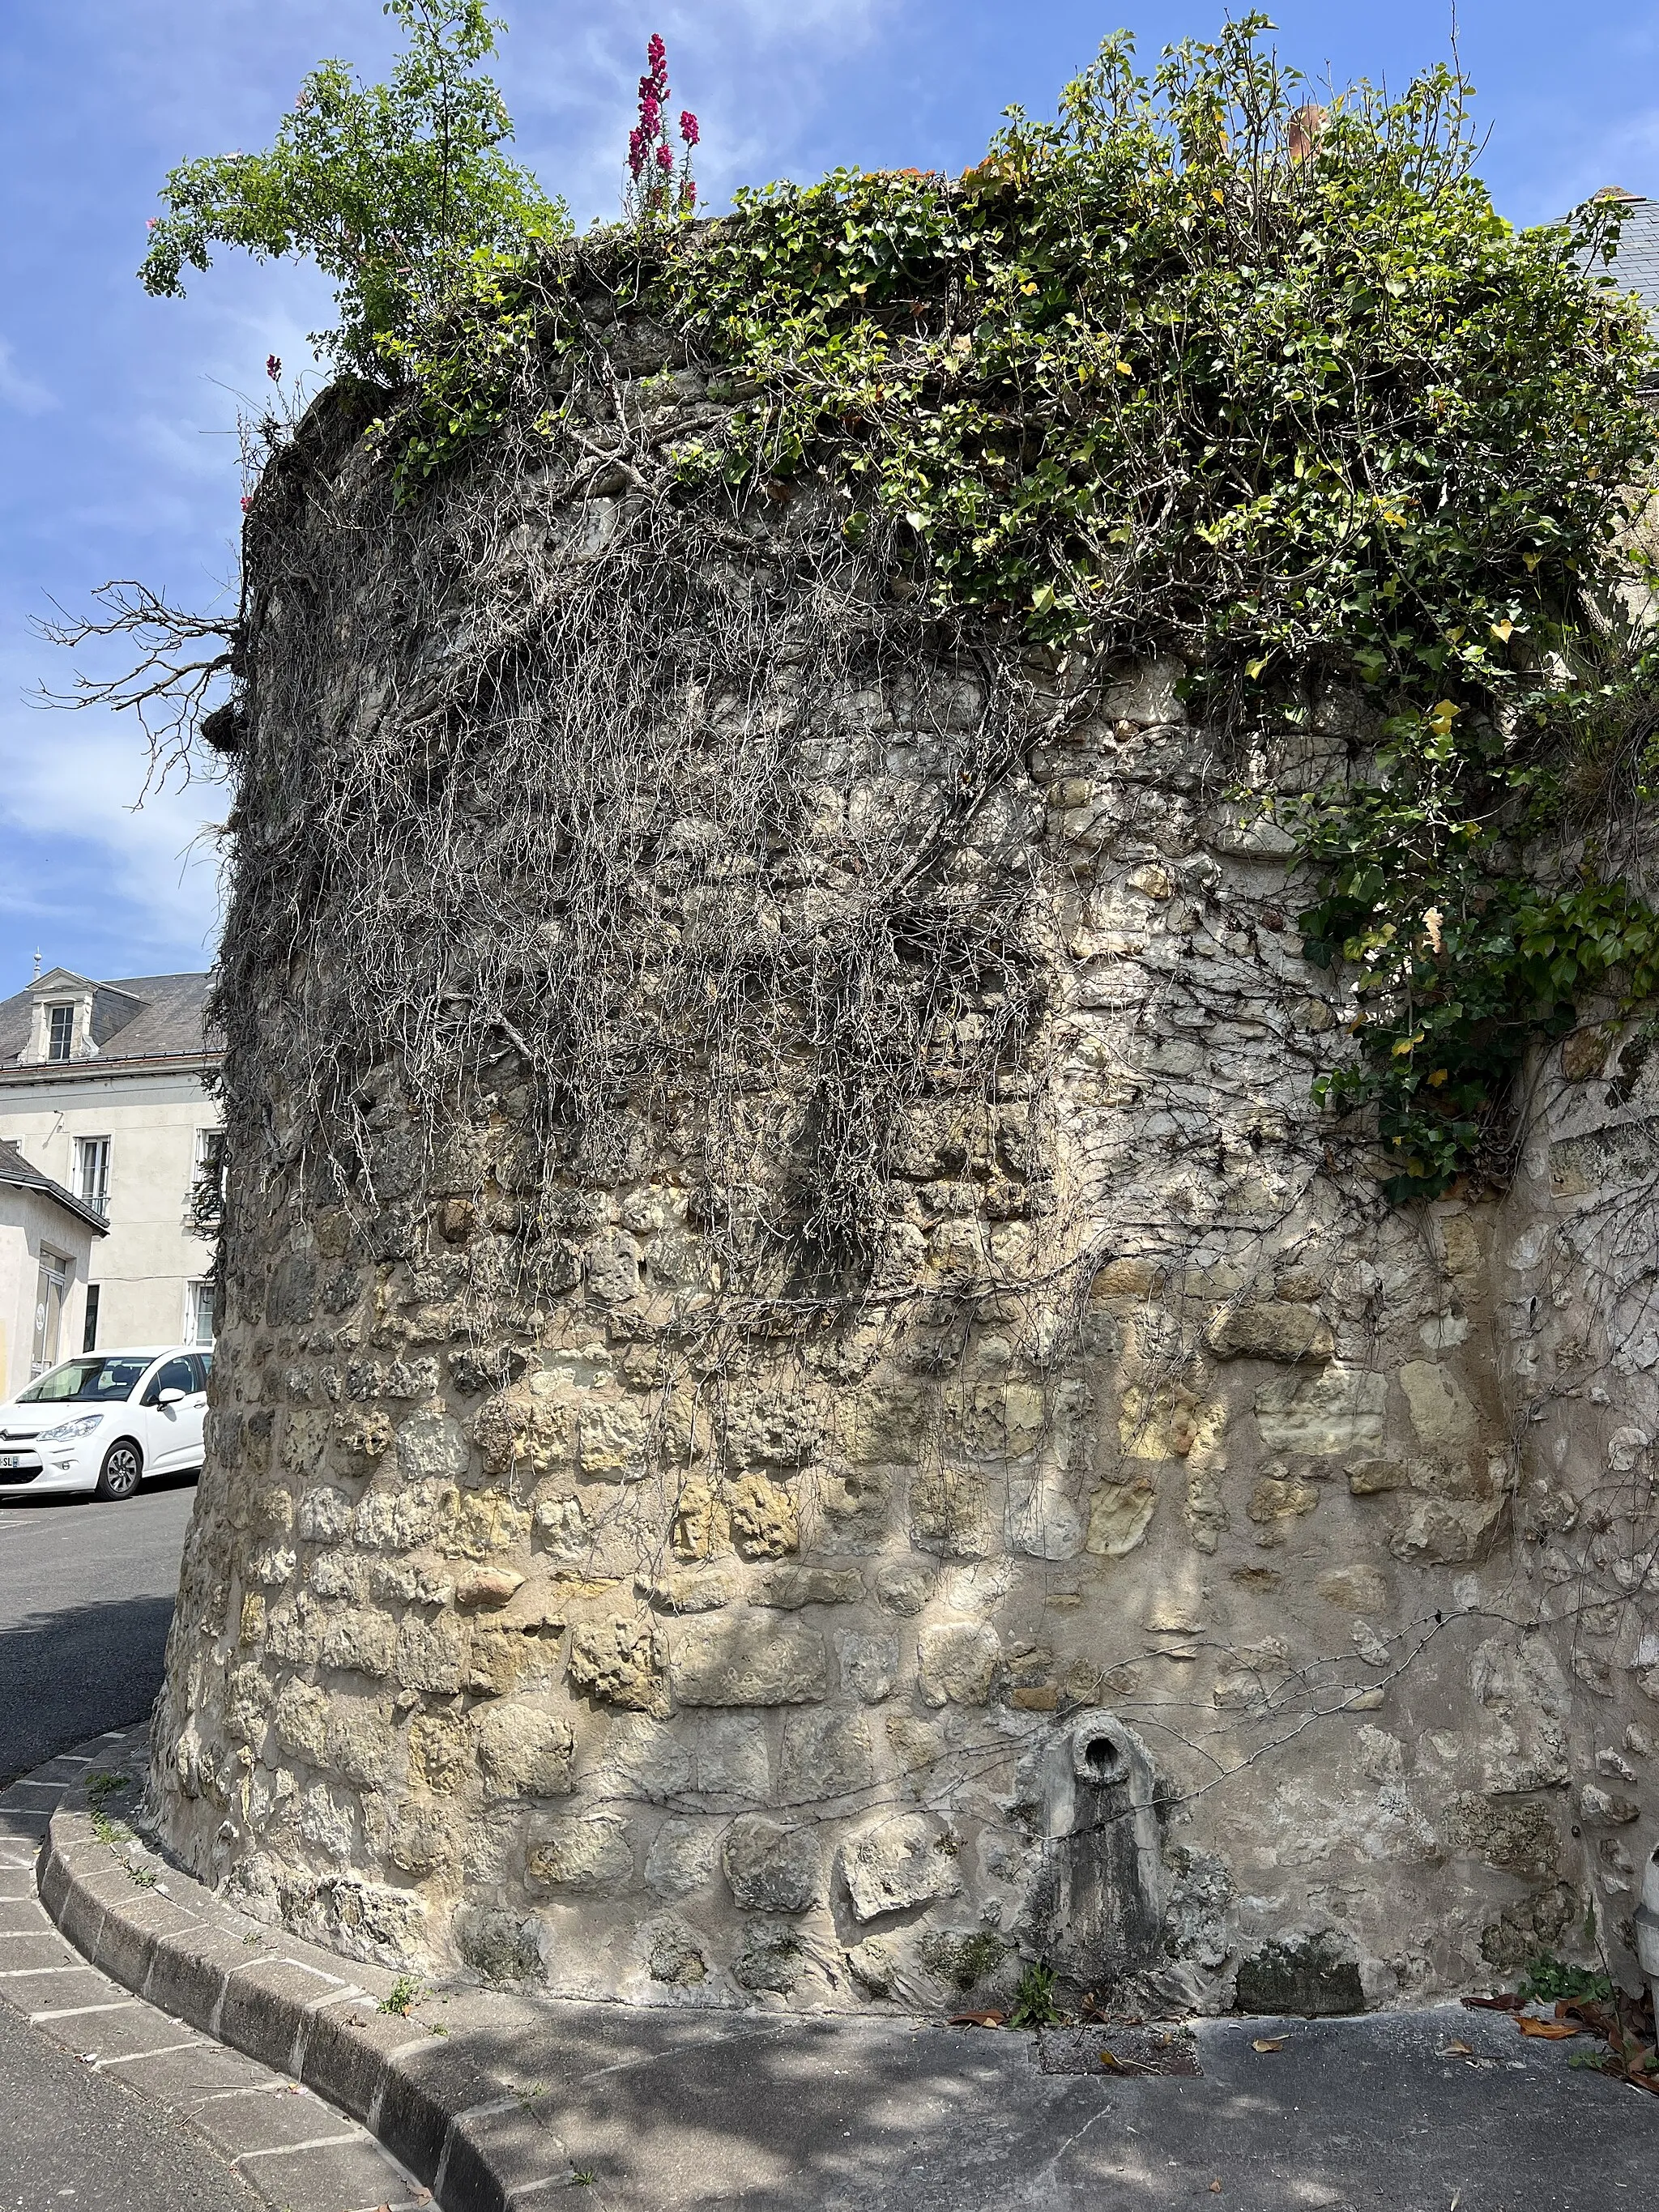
(650, 114)
(687, 127)
(273, 365)
(153, 221)
(689, 193)
(665, 160)
(247, 503)
(655, 53)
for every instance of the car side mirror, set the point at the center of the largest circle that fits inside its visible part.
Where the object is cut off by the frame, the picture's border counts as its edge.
(169, 1397)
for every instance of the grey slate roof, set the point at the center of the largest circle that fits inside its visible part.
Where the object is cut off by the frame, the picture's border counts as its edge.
(139, 1017)
(15, 1169)
(1635, 266)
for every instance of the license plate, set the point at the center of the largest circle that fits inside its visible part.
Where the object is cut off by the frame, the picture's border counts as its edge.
(11, 1459)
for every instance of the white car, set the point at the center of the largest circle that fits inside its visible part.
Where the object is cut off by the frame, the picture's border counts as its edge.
(105, 1419)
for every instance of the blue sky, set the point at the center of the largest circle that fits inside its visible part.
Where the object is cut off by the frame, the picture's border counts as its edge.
(118, 453)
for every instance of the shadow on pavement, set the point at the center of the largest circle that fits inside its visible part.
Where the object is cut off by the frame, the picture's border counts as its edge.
(75, 1671)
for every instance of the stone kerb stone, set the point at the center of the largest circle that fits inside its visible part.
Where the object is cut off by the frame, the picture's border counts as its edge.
(495, 1651)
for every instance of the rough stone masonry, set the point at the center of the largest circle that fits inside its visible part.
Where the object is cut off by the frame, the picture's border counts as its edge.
(1246, 1599)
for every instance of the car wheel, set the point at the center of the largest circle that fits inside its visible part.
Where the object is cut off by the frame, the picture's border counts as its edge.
(123, 1464)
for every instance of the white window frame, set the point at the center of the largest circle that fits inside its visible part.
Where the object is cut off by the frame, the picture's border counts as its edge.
(199, 1168)
(93, 1151)
(198, 1301)
(54, 1010)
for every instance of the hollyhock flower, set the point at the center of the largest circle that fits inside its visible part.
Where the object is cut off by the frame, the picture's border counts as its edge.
(687, 127)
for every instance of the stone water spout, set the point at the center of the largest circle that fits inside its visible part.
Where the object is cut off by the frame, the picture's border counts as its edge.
(1101, 1826)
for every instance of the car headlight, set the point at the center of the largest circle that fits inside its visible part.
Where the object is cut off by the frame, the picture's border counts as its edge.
(62, 1434)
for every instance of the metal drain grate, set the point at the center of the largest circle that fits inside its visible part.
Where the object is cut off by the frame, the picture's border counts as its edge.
(1115, 2047)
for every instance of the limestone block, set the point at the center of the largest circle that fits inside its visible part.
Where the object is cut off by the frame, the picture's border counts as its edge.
(1524, 1745)
(906, 1860)
(361, 1437)
(674, 1953)
(1203, 1508)
(612, 1438)
(770, 1957)
(524, 1751)
(854, 1493)
(956, 1661)
(1337, 1413)
(735, 1661)
(826, 1754)
(439, 1751)
(1280, 1497)
(302, 1717)
(252, 1626)
(692, 1590)
(639, 1758)
(421, 1838)
(702, 1526)
(1146, 694)
(273, 1565)
(397, 1519)
(433, 1447)
(486, 1522)
(682, 1857)
(578, 1858)
(431, 1654)
(325, 1822)
(1120, 1514)
(488, 1586)
(339, 1574)
(560, 1524)
(621, 1661)
(776, 1431)
(765, 1523)
(789, 1588)
(499, 1653)
(1446, 1531)
(949, 1511)
(362, 1743)
(1271, 1329)
(869, 1664)
(771, 1868)
(1369, 1478)
(522, 1430)
(324, 1515)
(1043, 1521)
(903, 1585)
(997, 1421)
(407, 1581)
(613, 1268)
(305, 1436)
(884, 1425)
(362, 1640)
(731, 1756)
(1441, 1412)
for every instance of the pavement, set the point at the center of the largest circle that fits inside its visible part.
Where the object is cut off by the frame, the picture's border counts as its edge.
(122, 2089)
(86, 1594)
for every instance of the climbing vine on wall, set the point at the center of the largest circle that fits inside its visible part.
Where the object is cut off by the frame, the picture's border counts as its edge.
(1206, 366)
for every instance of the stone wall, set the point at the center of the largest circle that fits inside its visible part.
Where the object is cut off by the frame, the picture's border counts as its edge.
(1245, 1600)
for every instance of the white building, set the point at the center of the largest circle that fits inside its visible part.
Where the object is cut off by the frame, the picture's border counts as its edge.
(104, 1091)
(46, 1241)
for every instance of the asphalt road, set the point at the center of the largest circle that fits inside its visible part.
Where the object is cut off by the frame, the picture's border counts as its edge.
(86, 1594)
(69, 2137)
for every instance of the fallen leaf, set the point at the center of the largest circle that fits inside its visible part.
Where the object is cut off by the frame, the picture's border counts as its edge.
(1457, 2050)
(1215, 2189)
(976, 2020)
(1552, 2031)
(1268, 2042)
(1505, 2000)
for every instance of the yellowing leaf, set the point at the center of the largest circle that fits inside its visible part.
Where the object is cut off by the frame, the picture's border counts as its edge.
(1124, 368)
(1216, 193)
(1502, 631)
(1253, 668)
(1408, 1044)
(1268, 2042)
(1439, 1077)
(1532, 561)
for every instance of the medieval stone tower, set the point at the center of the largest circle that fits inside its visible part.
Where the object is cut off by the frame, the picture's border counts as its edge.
(807, 1408)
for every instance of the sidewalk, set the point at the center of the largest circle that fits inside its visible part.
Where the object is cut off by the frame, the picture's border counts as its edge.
(499, 2101)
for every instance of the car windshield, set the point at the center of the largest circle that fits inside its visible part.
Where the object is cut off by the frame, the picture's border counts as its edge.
(98, 1379)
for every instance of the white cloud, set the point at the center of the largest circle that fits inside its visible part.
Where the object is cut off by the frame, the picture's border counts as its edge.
(23, 392)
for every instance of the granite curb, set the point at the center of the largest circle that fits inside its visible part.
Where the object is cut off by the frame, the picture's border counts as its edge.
(427, 2092)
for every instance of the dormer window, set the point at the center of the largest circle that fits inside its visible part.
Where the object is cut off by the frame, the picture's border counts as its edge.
(60, 1032)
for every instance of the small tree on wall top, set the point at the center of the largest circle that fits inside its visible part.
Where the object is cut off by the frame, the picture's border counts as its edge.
(394, 190)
